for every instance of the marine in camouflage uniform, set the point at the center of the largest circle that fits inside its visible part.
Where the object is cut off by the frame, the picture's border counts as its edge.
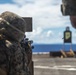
(12, 61)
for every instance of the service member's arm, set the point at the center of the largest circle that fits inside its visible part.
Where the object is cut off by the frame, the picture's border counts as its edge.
(18, 62)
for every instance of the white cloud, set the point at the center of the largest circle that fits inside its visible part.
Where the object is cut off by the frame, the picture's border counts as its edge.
(49, 33)
(36, 34)
(74, 36)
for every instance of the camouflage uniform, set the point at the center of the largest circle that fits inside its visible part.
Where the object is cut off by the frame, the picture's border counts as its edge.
(13, 58)
(12, 62)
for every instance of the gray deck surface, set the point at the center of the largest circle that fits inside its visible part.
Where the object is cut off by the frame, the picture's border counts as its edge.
(54, 66)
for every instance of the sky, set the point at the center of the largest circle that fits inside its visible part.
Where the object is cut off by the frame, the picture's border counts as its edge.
(48, 21)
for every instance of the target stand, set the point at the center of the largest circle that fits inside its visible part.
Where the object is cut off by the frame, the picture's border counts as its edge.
(67, 40)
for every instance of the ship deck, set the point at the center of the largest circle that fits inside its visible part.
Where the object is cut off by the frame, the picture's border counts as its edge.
(54, 66)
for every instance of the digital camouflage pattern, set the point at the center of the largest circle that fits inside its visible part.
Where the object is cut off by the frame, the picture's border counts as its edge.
(11, 58)
(14, 25)
(68, 7)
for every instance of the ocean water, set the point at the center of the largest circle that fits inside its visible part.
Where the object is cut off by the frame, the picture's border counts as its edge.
(53, 47)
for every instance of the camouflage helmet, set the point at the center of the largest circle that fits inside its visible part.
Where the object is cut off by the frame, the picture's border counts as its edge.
(14, 25)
